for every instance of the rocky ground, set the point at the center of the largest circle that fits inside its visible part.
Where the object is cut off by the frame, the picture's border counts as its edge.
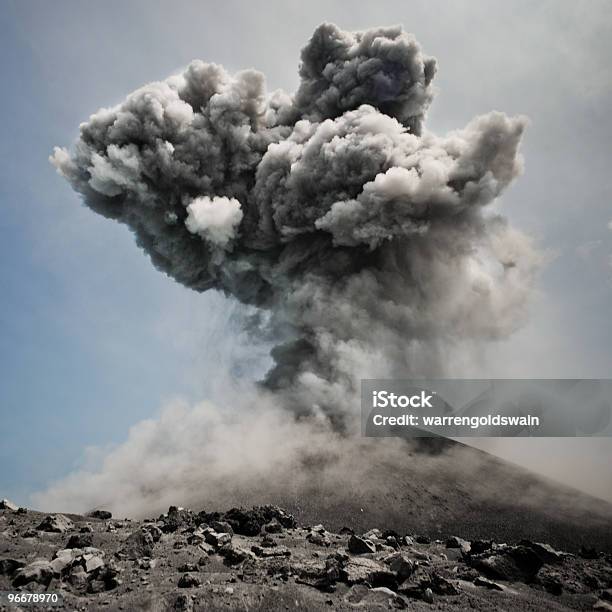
(261, 559)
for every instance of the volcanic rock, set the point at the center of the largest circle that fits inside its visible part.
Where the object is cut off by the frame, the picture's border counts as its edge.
(318, 537)
(545, 552)
(188, 581)
(138, 544)
(222, 527)
(360, 546)
(232, 555)
(176, 518)
(39, 571)
(517, 563)
(370, 571)
(428, 595)
(279, 551)
(9, 566)
(455, 542)
(442, 586)
(216, 539)
(103, 515)
(80, 540)
(401, 565)
(104, 578)
(56, 523)
(483, 582)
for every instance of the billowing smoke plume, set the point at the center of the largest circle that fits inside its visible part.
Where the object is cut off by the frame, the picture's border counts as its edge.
(364, 237)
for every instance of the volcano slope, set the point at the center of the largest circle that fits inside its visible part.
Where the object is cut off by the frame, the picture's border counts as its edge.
(262, 559)
(451, 488)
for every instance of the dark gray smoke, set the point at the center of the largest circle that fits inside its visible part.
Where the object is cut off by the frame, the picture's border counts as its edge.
(364, 237)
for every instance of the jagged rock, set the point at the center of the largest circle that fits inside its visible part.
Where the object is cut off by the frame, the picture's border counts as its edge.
(88, 558)
(6, 504)
(187, 567)
(250, 522)
(279, 551)
(155, 532)
(56, 523)
(401, 565)
(103, 515)
(80, 540)
(103, 578)
(234, 555)
(188, 581)
(39, 571)
(478, 547)
(196, 538)
(346, 531)
(22, 510)
(216, 539)
(428, 596)
(282, 516)
(9, 566)
(360, 546)
(545, 552)
(518, 563)
(91, 562)
(370, 571)
(138, 544)
(86, 529)
(372, 534)
(483, 582)
(222, 527)
(407, 541)
(176, 518)
(422, 539)
(455, 542)
(62, 561)
(442, 586)
(316, 577)
(319, 538)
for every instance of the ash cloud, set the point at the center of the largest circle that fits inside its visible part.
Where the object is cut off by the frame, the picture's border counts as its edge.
(366, 238)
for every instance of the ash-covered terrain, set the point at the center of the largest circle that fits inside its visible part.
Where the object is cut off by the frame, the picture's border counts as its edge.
(262, 559)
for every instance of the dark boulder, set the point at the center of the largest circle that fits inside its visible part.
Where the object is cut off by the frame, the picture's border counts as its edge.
(103, 515)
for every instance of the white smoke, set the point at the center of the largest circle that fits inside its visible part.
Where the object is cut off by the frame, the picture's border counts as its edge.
(214, 219)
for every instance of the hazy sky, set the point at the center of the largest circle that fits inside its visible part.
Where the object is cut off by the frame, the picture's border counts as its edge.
(93, 339)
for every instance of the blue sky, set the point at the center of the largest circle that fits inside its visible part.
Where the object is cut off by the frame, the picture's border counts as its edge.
(93, 339)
